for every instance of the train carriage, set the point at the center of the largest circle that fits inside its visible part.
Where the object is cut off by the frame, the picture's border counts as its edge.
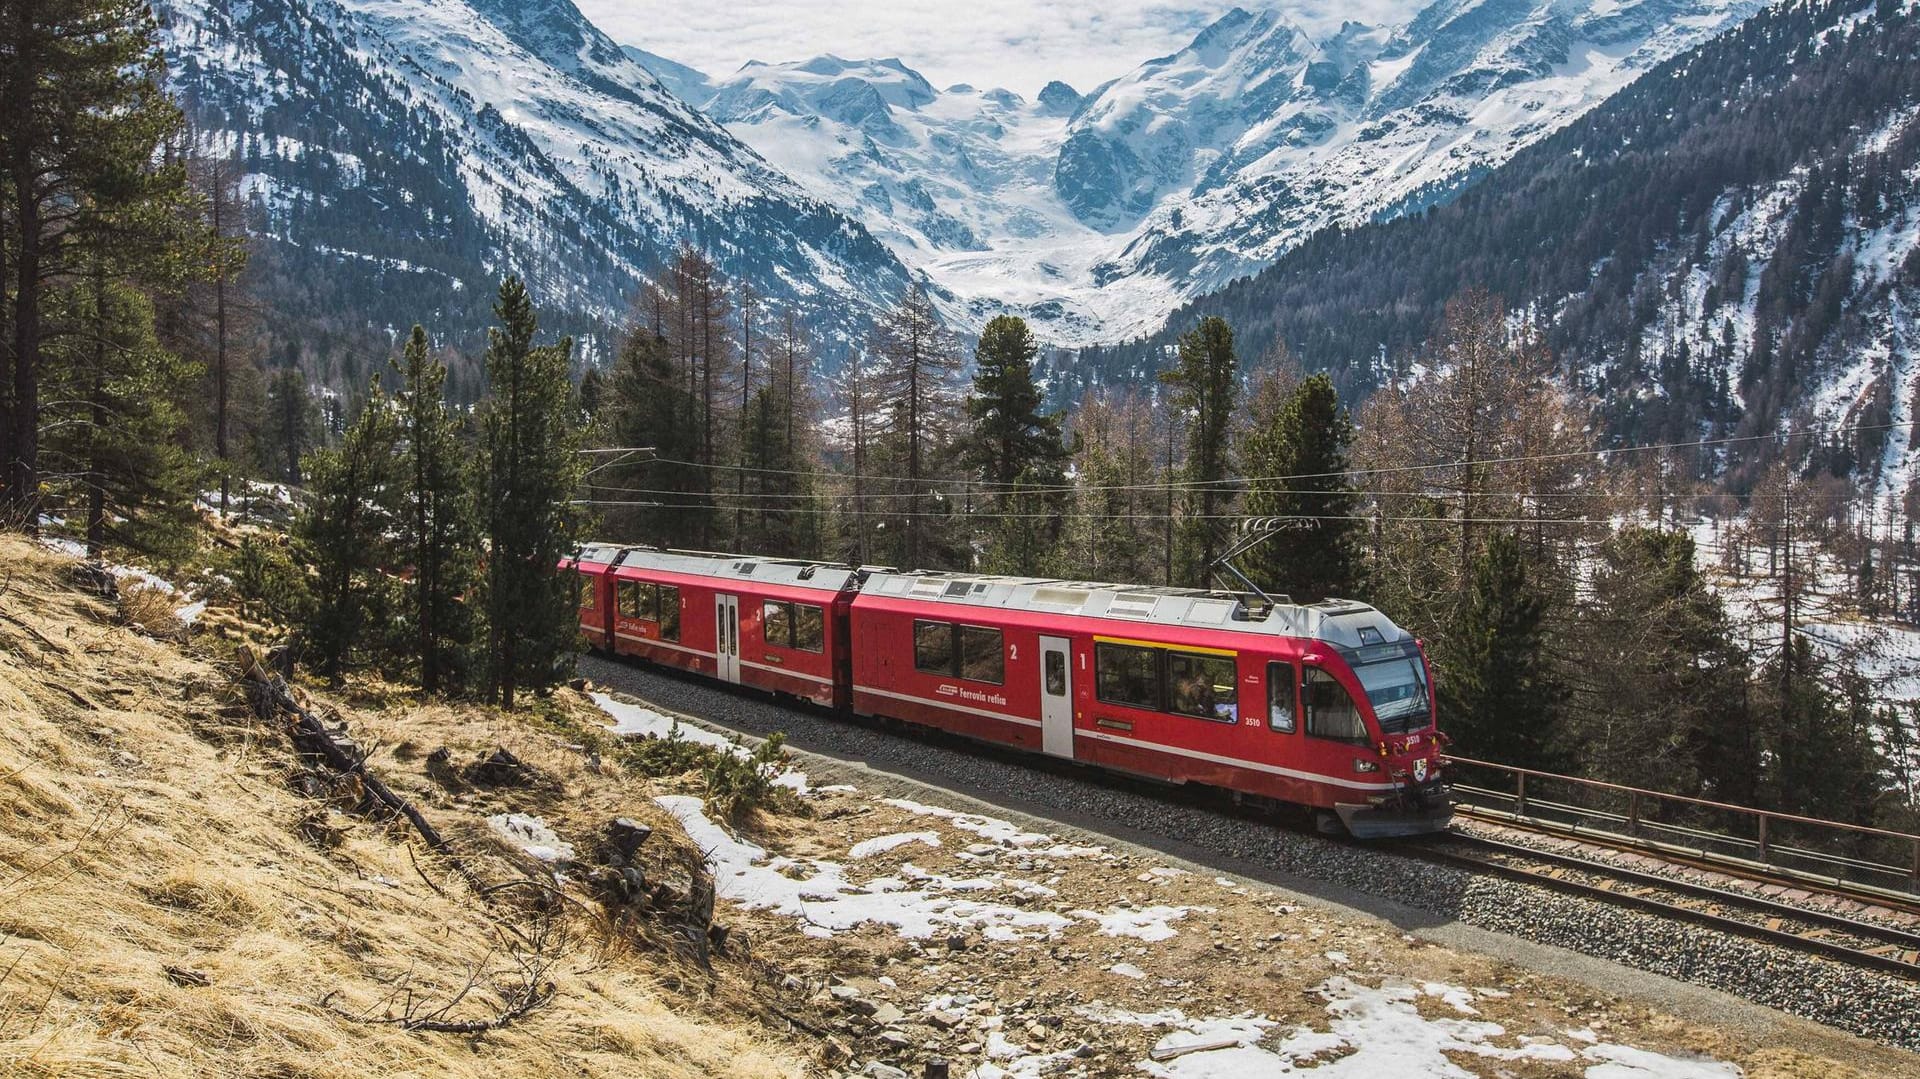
(1325, 705)
(766, 623)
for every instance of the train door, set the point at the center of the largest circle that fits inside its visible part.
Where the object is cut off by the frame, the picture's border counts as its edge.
(1056, 697)
(726, 636)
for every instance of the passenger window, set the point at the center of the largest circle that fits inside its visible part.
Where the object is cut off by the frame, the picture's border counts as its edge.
(667, 611)
(933, 647)
(1126, 675)
(1283, 687)
(587, 592)
(1330, 710)
(1056, 676)
(1202, 686)
(775, 626)
(628, 599)
(809, 628)
(983, 655)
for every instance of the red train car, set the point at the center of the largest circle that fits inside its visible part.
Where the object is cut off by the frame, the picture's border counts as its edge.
(1326, 705)
(762, 622)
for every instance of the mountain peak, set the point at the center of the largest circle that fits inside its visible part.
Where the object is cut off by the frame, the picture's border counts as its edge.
(1059, 99)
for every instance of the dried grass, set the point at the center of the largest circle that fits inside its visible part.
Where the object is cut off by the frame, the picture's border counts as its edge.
(130, 842)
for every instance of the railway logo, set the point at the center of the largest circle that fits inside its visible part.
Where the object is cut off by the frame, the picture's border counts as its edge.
(1420, 770)
(947, 690)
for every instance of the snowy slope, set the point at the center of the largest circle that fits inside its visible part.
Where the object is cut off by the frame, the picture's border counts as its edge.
(1095, 216)
(497, 135)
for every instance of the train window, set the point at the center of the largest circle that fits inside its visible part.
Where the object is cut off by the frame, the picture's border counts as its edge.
(1330, 710)
(1203, 686)
(667, 611)
(1056, 673)
(587, 592)
(933, 647)
(628, 595)
(1283, 685)
(809, 628)
(983, 655)
(776, 624)
(1126, 675)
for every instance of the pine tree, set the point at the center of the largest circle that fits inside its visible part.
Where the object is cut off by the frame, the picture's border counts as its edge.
(1112, 537)
(1205, 385)
(1661, 701)
(345, 535)
(291, 426)
(649, 406)
(1012, 442)
(117, 428)
(439, 535)
(1499, 698)
(82, 117)
(1298, 461)
(531, 471)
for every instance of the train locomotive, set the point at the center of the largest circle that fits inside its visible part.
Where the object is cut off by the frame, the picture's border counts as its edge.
(1325, 706)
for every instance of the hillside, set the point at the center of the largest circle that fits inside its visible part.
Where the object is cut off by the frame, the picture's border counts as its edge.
(400, 157)
(171, 904)
(1728, 246)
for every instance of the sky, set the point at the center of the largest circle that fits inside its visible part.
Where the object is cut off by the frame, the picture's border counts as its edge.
(1018, 44)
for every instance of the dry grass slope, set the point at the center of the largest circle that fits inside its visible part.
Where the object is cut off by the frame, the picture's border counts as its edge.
(148, 838)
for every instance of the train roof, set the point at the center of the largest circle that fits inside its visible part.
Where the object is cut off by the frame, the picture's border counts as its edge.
(1347, 623)
(793, 572)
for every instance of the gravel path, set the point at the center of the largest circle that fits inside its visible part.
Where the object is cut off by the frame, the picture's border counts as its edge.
(1881, 1007)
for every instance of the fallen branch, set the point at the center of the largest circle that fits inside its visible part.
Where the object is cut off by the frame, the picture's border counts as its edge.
(270, 698)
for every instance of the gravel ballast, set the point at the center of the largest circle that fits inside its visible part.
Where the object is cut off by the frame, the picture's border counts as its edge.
(1881, 1007)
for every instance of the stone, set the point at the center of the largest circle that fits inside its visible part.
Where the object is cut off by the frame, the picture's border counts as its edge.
(886, 1014)
(877, 1070)
(625, 837)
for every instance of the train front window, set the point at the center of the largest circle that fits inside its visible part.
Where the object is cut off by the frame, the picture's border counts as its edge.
(1397, 689)
(1331, 712)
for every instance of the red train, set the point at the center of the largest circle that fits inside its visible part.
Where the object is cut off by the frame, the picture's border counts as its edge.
(1328, 706)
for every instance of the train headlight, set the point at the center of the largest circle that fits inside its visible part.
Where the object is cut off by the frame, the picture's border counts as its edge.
(1361, 764)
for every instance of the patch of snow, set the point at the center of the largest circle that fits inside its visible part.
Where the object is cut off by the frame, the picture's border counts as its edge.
(867, 848)
(916, 904)
(1000, 832)
(531, 835)
(1148, 924)
(1128, 970)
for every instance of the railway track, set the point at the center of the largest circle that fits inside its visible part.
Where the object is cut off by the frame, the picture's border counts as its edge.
(1816, 932)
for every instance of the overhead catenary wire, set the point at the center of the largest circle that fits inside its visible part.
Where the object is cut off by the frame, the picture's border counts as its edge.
(1353, 473)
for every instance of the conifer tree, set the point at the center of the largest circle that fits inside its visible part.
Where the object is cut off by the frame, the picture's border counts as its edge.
(1205, 386)
(1499, 698)
(439, 535)
(1298, 462)
(291, 425)
(531, 470)
(82, 116)
(345, 535)
(1011, 443)
(650, 406)
(117, 431)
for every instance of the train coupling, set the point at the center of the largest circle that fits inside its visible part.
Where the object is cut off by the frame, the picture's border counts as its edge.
(1414, 809)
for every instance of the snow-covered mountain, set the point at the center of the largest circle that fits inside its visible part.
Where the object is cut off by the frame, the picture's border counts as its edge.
(1094, 216)
(412, 151)
(1730, 247)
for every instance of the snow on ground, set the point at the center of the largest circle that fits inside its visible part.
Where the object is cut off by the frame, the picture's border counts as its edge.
(916, 904)
(998, 831)
(532, 835)
(867, 848)
(638, 721)
(1373, 1032)
(1148, 924)
(189, 610)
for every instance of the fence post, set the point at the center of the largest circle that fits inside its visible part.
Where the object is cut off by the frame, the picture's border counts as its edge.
(1633, 811)
(1520, 797)
(1913, 878)
(1763, 841)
